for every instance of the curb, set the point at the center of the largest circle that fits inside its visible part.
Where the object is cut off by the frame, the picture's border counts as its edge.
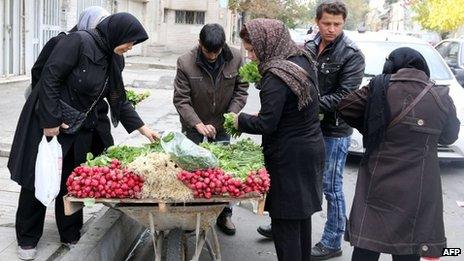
(108, 238)
(5, 149)
(152, 66)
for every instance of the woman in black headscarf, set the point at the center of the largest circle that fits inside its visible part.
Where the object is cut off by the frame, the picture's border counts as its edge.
(397, 207)
(84, 68)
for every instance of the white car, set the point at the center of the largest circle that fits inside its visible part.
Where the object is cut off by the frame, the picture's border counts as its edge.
(376, 47)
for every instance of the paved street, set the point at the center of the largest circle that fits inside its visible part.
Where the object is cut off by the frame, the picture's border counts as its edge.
(159, 113)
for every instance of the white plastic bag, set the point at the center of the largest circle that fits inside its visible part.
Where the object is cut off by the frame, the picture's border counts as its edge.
(186, 153)
(48, 166)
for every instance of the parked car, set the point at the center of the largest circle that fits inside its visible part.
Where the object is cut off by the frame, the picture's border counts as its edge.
(452, 50)
(377, 46)
(430, 37)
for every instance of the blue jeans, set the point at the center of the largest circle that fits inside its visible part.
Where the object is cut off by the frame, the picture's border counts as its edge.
(335, 158)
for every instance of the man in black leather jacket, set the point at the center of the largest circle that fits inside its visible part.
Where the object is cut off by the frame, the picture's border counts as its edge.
(340, 66)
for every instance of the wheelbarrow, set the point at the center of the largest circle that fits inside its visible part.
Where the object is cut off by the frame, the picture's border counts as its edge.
(169, 220)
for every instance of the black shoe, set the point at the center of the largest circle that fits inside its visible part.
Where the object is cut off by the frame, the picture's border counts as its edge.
(320, 252)
(265, 230)
(225, 225)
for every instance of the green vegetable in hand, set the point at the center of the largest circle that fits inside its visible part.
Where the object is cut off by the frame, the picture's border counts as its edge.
(135, 97)
(249, 72)
(229, 125)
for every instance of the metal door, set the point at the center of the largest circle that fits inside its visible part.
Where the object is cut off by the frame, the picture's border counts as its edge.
(11, 41)
(46, 23)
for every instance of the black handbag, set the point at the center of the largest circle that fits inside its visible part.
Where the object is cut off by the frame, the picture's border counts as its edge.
(75, 118)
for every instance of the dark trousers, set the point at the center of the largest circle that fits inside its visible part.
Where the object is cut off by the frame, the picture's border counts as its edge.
(197, 138)
(30, 215)
(292, 239)
(360, 254)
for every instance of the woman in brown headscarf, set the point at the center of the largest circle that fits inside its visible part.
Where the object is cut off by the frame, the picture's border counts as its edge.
(292, 143)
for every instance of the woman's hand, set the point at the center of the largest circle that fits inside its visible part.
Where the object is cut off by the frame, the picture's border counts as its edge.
(150, 134)
(51, 132)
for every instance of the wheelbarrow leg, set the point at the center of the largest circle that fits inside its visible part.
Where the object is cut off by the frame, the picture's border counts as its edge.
(216, 252)
(217, 249)
(157, 238)
(200, 238)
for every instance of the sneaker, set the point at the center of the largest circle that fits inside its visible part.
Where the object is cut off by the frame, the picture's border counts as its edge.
(27, 253)
(265, 230)
(320, 252)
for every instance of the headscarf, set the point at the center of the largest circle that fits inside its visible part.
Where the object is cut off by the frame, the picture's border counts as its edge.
(273, 45)
(113, 31)
(377, 114)
(90, 17)
(405, 57)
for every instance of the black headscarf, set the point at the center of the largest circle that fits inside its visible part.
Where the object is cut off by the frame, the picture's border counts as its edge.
(405, 57)
(113, 31)
(377, 114)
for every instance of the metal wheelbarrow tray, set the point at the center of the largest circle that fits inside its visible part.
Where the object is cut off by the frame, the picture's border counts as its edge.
(172, 219)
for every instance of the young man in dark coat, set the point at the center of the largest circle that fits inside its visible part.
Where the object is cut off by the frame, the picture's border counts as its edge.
(206, 87)
(340, 68)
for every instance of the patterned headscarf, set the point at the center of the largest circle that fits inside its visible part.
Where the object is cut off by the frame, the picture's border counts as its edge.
(273, 45)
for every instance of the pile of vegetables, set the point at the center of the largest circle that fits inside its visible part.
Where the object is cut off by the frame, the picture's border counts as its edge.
(229, 125)
(249, 72)
(237, 159)
(104, 182)
(135, 97)
(149, 171)
(160, 174)
(125, 154)
(206, 183)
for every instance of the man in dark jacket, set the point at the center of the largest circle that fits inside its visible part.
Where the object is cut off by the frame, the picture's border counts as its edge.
(340, 66)
(207, 86)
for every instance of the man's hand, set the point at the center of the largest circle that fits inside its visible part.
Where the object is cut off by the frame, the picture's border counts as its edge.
(51, 132)
(150, 134)
(206, 130)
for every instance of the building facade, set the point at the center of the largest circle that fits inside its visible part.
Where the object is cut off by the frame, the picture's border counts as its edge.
(173, 25)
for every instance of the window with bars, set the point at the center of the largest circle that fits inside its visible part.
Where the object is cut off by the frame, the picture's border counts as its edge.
(189, 17)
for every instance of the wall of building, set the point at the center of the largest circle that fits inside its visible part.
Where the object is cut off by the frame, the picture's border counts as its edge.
(177, 37)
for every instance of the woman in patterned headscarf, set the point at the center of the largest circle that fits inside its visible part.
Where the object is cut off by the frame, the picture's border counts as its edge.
(292, 141)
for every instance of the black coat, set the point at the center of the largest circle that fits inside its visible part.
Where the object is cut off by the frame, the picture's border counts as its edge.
(293, 147)
(75, 72)
(340, 70)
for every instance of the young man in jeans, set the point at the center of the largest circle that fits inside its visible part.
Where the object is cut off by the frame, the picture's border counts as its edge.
(340, 66)
(206, 86)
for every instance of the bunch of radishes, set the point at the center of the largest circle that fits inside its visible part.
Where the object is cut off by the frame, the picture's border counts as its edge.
(104, 182)
(209, 182)
(257, 181)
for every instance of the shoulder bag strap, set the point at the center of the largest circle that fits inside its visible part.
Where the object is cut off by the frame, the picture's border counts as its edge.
(411, 106)
(98, 98)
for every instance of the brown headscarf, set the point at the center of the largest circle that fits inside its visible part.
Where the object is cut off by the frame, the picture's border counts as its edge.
(273, 45)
